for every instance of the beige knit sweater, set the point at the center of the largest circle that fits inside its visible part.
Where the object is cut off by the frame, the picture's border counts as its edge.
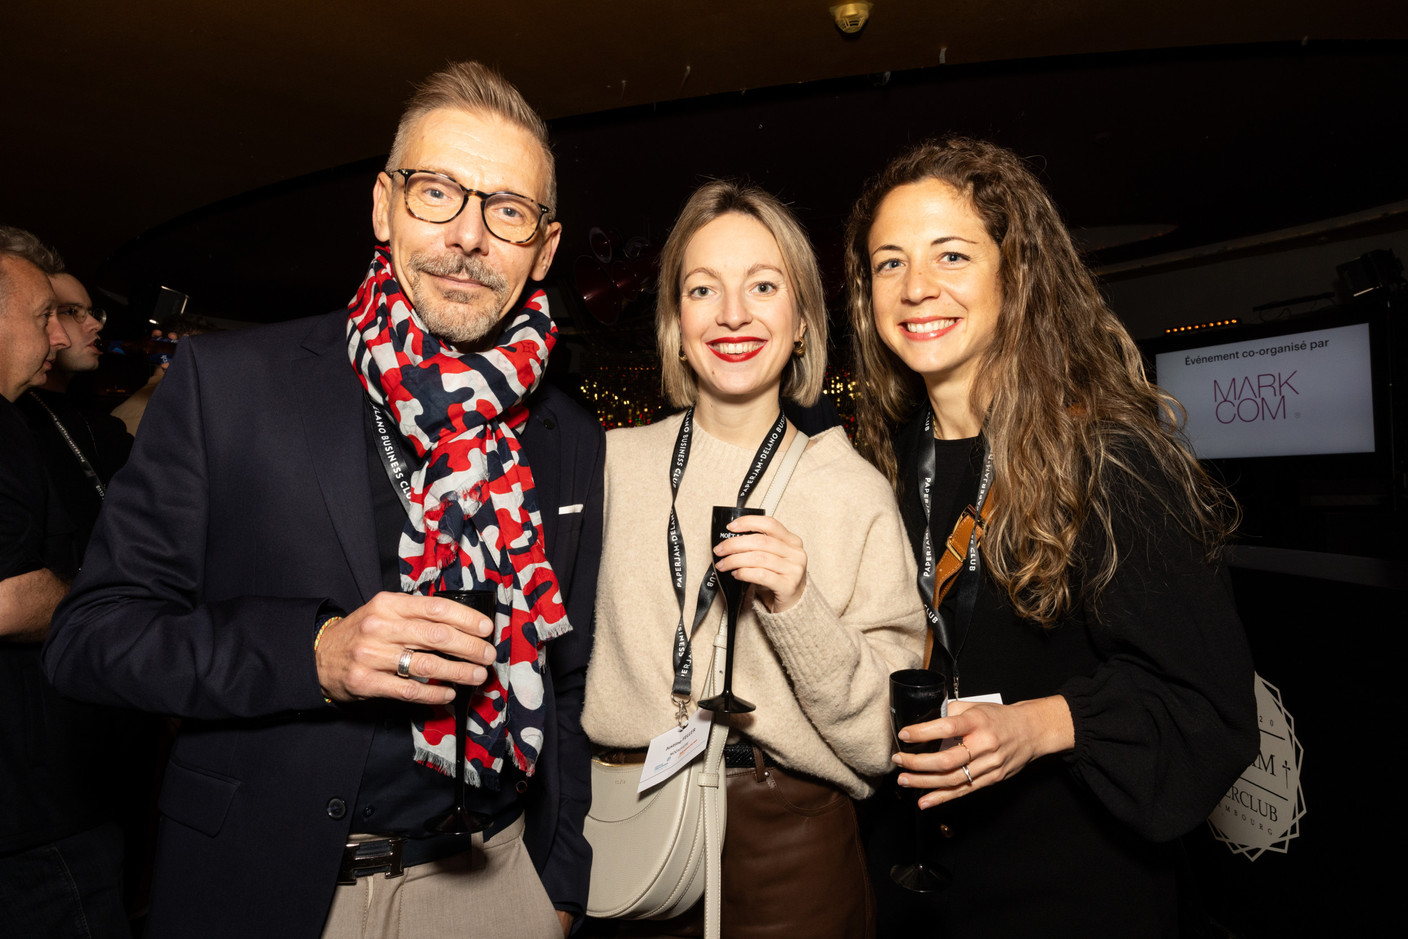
(818, 672)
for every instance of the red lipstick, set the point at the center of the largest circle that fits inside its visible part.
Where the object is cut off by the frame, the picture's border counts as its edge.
(729, 349)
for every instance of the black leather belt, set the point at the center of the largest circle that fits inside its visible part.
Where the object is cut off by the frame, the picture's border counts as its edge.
(737, 755)
(740, 756)
(392, 854)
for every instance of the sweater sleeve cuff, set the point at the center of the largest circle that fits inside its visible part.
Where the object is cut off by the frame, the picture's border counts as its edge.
(1079, 700)
(1082, 697)
(808, 651)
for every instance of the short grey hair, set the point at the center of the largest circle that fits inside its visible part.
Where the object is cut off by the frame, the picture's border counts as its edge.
(19, 242)
(478, 89)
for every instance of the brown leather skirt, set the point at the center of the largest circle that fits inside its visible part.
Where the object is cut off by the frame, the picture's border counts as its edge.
(792, 865)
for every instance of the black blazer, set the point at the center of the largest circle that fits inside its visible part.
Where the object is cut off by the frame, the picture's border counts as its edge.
(245, 506)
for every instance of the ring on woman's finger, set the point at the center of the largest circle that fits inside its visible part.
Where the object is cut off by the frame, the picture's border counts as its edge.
(403, 664)
(966, 750)
(964, 767)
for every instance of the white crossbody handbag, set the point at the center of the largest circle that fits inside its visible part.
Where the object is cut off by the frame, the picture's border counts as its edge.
(655, 853)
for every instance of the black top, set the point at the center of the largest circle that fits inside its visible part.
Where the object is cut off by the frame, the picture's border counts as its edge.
(1159, 681)
(958, 465)
(51, 758)
(103, 440)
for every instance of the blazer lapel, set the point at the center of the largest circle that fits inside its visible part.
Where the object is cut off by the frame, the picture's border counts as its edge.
(541, 450)
(330, 402)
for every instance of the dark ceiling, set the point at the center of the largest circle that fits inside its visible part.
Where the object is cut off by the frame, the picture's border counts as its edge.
(228, 149)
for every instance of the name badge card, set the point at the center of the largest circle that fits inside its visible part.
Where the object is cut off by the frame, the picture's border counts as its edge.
(675, 749)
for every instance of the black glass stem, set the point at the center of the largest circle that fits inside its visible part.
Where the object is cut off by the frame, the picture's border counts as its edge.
(459, 819)
(917, 695)
(726, 702)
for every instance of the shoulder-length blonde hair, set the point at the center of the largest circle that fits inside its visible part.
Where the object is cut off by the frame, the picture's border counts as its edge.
(803, 378)
(1068, 402)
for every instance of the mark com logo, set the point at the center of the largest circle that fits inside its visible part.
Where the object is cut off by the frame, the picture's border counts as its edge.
(1250, 399)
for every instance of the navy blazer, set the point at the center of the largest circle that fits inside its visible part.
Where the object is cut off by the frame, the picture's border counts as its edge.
(245, 506)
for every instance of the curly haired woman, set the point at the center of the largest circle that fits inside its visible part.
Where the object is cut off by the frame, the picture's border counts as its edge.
(1089, 616)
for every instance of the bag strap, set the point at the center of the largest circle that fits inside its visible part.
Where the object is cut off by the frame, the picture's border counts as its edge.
(790, 459)
(951, 559)
(711, 778)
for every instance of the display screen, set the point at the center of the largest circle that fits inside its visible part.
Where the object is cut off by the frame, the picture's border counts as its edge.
(1290, 395)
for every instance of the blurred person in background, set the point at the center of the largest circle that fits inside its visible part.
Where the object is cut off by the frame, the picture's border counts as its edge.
(60, 854)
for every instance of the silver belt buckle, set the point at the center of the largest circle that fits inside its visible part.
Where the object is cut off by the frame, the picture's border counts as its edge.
(369, 857)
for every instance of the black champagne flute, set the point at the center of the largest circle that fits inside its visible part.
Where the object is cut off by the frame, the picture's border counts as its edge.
(726, 702)
(459, 819)
(917, 695)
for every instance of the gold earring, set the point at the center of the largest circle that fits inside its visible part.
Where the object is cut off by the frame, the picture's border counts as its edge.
(800, 346)
(683, 357)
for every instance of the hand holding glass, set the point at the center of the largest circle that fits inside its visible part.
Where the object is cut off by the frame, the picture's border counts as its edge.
(726, 702)
(459, 819)
(917, 695)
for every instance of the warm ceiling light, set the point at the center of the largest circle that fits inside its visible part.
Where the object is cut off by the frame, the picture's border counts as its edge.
(1194, 327)
(851, 17)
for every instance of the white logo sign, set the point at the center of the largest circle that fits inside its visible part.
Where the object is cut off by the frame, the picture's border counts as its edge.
(1262, 810)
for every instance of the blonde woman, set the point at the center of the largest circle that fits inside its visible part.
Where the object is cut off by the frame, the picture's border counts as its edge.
(740, 323)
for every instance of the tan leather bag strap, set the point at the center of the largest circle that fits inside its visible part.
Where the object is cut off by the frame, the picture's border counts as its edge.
(951, 559)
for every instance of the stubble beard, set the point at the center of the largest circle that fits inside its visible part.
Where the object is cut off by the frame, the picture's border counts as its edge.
(73, 361)
(458, 316)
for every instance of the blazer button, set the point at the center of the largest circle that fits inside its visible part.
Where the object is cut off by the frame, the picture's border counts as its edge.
(336, 809)
(549, 423)
(521, 786)
(946, 831)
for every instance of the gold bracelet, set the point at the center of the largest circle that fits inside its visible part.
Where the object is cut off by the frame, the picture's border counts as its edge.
(319, 638)
(326, 623)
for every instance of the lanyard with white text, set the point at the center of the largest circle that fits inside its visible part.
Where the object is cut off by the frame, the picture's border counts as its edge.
(391, 447)
(951, 639)
(683, 660)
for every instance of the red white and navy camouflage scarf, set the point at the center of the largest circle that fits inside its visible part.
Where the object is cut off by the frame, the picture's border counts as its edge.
(474, 520)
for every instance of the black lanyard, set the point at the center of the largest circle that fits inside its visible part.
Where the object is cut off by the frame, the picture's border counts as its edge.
(83, 463)
(683, 659)
(952, 637)
(391, 447)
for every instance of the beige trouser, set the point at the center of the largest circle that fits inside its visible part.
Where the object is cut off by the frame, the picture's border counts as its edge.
(492, 890)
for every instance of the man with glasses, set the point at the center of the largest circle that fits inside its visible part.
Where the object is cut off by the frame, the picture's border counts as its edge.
(83, 323)
(82, 448)
(268, 564)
